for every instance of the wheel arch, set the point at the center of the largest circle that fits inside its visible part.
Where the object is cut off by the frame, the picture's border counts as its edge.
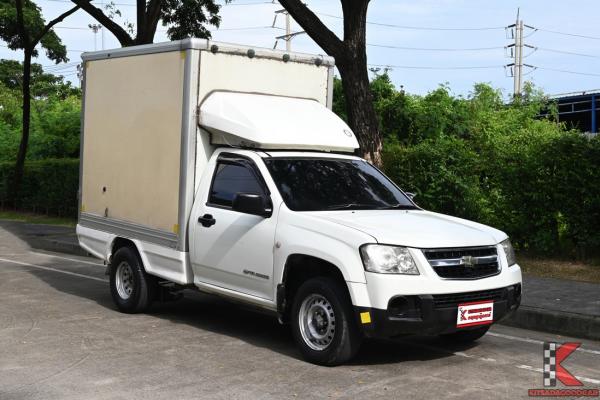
(119, 242)
(297, 269)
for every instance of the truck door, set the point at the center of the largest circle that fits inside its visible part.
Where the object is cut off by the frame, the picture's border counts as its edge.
(231, 249)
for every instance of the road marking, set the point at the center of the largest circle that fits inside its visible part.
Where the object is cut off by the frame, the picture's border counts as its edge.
(581, 378)
(455, 353)
(535, 341)
(67, 258)
(484, 359)
(54, 270)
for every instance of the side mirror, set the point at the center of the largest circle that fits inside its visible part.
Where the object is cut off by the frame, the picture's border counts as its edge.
(411, 195)
(249, 203)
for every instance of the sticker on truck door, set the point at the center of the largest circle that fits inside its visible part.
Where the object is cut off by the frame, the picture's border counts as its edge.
(475, 313)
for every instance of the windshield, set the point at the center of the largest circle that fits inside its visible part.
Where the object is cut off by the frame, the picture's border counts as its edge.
(323, 184)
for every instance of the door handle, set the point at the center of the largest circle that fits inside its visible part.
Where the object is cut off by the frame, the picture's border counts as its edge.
(207, 220)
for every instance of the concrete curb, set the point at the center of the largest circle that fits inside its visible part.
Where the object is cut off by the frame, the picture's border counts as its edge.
(558, 322)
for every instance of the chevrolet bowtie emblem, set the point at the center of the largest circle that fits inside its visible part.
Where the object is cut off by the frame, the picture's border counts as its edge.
(468, 261)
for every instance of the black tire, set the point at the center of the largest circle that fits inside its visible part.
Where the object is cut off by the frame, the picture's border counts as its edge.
(466, 336)
(346, 337)
(141, 285)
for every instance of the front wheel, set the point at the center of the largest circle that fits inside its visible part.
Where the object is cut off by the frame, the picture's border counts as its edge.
(323, 324)
(466, 336)
(132, 289)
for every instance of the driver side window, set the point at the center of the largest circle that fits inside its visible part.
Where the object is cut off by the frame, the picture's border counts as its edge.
(232, 177)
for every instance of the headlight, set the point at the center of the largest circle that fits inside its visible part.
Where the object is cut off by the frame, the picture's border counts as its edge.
(510, 252)
(388, 259)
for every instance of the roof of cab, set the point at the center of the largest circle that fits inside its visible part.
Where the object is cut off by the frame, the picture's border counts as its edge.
(274, 122)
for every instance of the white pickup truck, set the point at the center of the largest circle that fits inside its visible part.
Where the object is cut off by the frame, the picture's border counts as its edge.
(221, 168)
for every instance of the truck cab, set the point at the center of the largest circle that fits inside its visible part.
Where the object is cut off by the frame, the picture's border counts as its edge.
(261, 200)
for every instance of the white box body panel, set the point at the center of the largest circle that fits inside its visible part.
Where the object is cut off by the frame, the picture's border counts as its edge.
(229, 72)
(131, 151)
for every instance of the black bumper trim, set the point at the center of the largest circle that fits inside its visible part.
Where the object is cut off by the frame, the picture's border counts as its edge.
(418, 315)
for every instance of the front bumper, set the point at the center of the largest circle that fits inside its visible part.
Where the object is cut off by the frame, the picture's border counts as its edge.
(431, 314)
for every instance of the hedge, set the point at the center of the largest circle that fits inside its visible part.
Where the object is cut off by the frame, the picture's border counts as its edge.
(49, 186)
(543, 190)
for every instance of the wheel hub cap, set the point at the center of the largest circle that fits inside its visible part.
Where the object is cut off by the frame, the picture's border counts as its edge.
(317, 322)
(124, 280)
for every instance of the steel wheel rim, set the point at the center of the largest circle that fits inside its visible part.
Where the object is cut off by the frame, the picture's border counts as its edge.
(317, 322)
(124, 280)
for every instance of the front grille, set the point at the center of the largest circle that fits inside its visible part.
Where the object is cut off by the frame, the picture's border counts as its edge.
(454, 299)
(464, 263)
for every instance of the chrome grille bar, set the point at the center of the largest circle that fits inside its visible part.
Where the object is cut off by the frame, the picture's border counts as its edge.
(465, 260)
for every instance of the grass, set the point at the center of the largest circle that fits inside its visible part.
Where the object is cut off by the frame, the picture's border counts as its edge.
(560, 269)
(32, 218)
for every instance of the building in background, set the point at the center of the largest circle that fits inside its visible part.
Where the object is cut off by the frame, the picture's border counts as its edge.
(579, 110)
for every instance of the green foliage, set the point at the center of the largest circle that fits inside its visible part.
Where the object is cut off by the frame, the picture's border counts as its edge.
(188, 18)
(34, 24)
(442, 173)
(49, 186)
(339, 101)
(55, 114)
(43, 85)
(501, 164)
(183, 19)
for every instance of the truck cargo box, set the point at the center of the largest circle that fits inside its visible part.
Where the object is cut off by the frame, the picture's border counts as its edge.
(144, 143)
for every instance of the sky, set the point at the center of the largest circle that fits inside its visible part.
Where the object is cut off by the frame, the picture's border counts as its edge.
(454, 42)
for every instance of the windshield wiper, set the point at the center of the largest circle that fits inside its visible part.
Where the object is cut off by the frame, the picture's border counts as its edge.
(349, 206)
(400, 207)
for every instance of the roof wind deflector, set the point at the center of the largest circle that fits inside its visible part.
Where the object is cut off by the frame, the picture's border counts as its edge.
(274, 122)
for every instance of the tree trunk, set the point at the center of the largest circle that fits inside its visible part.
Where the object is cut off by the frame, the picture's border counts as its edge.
(360, 110)
(26, 90)
(351, 59)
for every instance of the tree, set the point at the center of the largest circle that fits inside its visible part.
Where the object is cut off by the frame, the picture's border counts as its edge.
(187, 18)
(351, 59)
(43, 84)
(23, 27)
(54, 121)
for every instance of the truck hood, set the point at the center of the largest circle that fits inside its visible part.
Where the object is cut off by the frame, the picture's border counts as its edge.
(416, 228)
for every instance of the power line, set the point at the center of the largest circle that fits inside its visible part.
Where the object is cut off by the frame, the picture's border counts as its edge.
(59, 67)
(422, 28)
(72, 27)
(568, 34)
(432, 67)
(426, 28)
(67, 1)
(134, 5)
(567, 71)
(247, 28)
(567, 52)
(248, 4)
(435, 49)
(214, 30)
(68, 50)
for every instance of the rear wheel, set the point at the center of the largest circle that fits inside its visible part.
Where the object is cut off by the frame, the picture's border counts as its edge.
(466, 336)
(323, 324)
(132, 289)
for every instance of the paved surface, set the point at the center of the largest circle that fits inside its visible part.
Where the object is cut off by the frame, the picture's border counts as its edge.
(61, 338)
(44, 237)
(562, 296)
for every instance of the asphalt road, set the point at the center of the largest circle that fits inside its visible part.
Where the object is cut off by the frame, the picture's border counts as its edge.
(62, 338)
